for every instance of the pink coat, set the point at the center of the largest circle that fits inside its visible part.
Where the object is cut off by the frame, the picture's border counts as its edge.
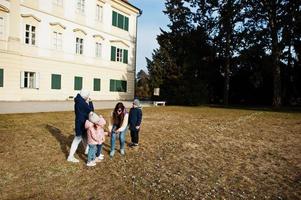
(95, 135)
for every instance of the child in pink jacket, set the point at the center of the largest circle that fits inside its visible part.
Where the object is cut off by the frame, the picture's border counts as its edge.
(95, 137)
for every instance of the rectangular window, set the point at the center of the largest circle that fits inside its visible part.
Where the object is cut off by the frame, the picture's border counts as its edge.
(57, 40)
(81, 6)
(30, 34)
(118, 85)
(29, 79)
(79, 45)
(96, 84)
(98, 13)
(58, 3)
(98, 49)
(1, 77)
(78, 83)
(55, 81)
(120, 21)
(119, 55)
(1, 27)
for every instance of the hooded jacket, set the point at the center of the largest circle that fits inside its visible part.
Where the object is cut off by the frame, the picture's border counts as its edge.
(135, 118)
(95, 135)
(82, 110)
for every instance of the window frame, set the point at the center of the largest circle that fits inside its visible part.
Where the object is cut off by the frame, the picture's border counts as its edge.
(2, 27)
(98, 12)
(79, 48)
(31, 31)
(118, 85)
(95, 86)
(81, 6)
(120, 21)
(56, 86)
(57, 42)
(98, 49)
(58, 3)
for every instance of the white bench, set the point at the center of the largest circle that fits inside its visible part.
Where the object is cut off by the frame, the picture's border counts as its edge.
(158, 103)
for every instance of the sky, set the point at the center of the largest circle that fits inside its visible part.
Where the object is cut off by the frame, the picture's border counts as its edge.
(149, 24)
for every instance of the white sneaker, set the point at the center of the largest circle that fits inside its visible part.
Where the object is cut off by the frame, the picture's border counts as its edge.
(72, 159)
(101, 155)
(99, 159)
(87, 150)
(91, 164)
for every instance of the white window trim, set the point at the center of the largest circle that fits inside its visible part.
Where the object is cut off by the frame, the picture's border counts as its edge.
(98, 12)
(119, 54)
(81, 6)
(98, 49)
(58, 3)
(57, 40)
(2, 27)
(32, 82)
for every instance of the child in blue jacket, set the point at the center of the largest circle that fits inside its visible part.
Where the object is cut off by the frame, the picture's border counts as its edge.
(135, 118)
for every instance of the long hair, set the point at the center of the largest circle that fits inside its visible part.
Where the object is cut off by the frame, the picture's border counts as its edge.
(118, 119)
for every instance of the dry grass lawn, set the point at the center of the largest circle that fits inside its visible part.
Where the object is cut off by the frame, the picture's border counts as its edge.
(185, 153)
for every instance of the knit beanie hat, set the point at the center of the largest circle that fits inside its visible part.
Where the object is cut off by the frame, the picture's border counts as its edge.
(136, 102)
(95, 119)
(84, 94)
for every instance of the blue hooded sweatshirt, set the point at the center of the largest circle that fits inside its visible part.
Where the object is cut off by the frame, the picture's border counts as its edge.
(82, 110)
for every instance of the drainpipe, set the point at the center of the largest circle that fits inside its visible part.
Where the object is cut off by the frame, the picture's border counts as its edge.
(135, 66)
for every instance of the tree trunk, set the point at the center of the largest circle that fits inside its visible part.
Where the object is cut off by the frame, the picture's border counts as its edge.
(275, 57)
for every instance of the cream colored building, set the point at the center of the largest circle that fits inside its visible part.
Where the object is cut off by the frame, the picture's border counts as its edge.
(51, 49)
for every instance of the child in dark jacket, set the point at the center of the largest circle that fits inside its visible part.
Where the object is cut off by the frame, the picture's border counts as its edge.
(135, 118)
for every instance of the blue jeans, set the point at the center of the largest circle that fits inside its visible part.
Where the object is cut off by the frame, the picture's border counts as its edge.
(121, 139)
(91, 153)
(99, 149)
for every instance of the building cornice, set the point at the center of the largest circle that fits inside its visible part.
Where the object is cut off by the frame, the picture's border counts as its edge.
(30, 15)
(4, 9)
(79, 30)
(119, 41)
(57, 24)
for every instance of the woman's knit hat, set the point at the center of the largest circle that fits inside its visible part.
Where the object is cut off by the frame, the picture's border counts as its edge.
(84, 94)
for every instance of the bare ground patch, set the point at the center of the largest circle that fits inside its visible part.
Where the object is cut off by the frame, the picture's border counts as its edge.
(185, 153)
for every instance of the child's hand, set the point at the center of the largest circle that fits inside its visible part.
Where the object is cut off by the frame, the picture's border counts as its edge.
(106, 133)
(137, 127)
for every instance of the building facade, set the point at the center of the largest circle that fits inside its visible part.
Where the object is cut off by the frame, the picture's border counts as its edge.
(50, 50)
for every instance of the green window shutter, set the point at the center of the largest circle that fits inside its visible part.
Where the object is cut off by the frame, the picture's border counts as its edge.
(124, 84)
(78, 83)
(112, 85)
(1, 77)
(55, 81)
(125, 56)
(120, 21)
(96, 84)
(114, 18)
(118, 86)
(113, 53)
(126, 23)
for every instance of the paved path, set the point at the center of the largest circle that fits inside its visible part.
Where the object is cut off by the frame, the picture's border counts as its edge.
(52, 106)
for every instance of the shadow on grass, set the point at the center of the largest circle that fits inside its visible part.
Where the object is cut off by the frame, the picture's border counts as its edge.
(65, 142)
